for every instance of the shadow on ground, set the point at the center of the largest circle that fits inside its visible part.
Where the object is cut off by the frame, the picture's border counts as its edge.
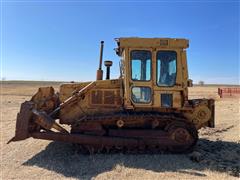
(214, 155)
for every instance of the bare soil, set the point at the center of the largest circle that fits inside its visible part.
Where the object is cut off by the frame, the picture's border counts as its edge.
(216, 156)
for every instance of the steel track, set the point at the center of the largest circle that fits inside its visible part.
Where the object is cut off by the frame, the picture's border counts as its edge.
(138, 125)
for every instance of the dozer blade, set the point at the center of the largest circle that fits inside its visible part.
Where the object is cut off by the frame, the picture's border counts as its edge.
(28, 118)
(22, 124)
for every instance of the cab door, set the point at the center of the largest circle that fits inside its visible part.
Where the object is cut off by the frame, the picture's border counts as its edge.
(140, 79)
(168, 88)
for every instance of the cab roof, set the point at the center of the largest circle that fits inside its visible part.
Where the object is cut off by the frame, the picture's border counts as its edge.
(137, 42)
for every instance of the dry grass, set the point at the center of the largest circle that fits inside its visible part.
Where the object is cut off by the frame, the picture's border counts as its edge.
(39, 159)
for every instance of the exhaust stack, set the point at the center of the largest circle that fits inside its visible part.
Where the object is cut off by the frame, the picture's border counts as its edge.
(100, 71)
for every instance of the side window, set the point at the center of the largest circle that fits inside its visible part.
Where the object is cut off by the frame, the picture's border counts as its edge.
(141, 94)
(141, 65)
(166, 68)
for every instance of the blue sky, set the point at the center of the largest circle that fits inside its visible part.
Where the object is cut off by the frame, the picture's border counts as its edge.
(59, 40)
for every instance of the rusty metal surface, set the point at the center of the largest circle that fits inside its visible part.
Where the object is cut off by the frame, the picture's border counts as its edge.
(177, 138)
(133, 133)
(85, 139)
(46, 121)
(202, 112)
(45, 99)
(171, 131)
(106, 141)
(97, 97)
(109, 97)
(145, 120)
(99, 71)
(23, 119)
(211, 105)
(89, 128)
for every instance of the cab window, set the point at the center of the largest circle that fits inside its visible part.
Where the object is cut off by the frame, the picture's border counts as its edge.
(141, 65)
(141, 94)
(166, 68)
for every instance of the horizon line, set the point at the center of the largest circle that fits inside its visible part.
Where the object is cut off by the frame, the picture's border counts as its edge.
(58, 81)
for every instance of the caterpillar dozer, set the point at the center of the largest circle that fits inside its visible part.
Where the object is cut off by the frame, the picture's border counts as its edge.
(146, 109)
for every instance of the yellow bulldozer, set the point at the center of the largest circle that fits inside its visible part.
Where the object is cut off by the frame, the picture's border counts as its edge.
(146, 109)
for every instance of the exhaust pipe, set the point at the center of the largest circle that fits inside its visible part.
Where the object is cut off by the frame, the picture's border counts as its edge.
(100, 71)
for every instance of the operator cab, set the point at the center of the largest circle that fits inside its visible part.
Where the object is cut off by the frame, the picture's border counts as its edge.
(154, 72)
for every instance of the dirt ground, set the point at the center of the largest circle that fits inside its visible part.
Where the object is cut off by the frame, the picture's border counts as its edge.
(216, 156)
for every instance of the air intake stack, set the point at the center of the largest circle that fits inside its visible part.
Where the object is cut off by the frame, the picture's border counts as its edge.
(108, 64)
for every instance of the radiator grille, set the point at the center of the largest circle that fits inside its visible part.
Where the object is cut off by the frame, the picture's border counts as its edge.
(105, 97)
